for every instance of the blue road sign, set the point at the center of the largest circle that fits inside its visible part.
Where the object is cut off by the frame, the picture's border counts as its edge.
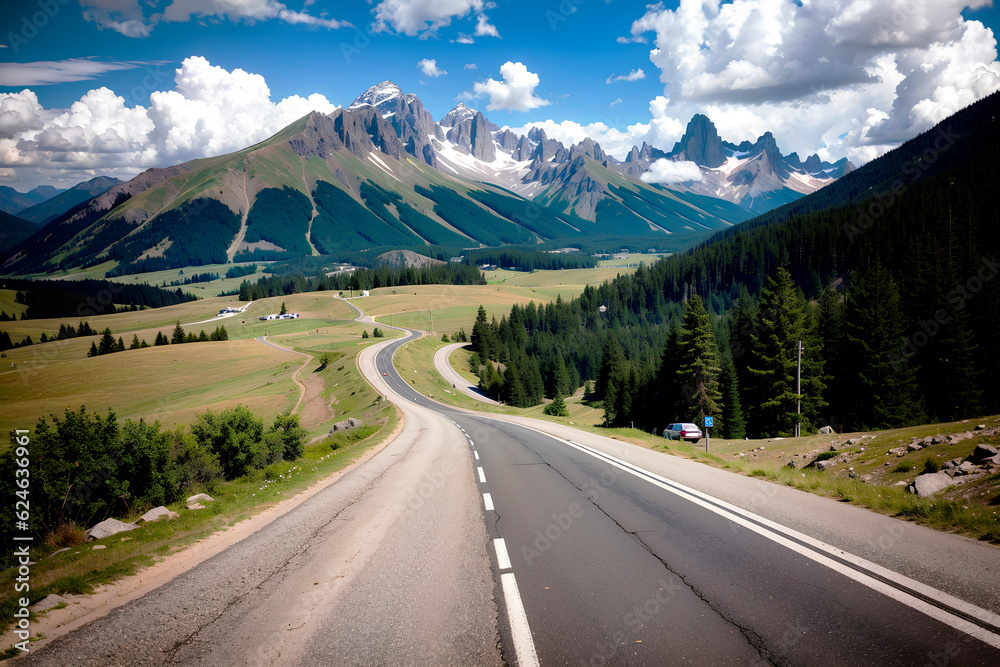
(709, 422)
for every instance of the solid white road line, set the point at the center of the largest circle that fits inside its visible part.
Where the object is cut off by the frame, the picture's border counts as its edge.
(482, 475)
(503, 559)
(790, 538)
(524, 645)
(488, 501)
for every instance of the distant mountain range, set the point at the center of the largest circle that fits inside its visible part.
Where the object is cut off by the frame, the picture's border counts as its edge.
(382, 173)
(13, 202)
(64, 200)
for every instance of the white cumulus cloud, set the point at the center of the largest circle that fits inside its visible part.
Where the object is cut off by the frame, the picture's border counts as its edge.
(484, 28)
(209, 111)
(668, 172)
(412, 17)
(429, 68)
(811, 71)
(515, 93)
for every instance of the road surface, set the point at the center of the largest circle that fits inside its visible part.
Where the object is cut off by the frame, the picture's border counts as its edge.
(443, 366)
(625, 556)
(475, 540)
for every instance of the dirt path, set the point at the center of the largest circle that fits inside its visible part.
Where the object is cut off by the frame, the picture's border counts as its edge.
(295, 375)
(235, 245)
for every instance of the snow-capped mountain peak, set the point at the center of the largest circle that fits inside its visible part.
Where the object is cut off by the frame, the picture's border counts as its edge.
(457, 115)
(377, 95)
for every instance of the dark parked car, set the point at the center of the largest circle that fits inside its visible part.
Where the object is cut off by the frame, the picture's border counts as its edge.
(683, 431)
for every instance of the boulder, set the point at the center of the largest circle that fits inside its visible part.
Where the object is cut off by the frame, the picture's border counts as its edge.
(966, 468)
(930, 483)
(979, 427)
(346, 424)
(914, 447)
(982, 452)
(825, 430)
(108, 527)
(195, 501)
(823, 465)
(156, 514)
(956, 438)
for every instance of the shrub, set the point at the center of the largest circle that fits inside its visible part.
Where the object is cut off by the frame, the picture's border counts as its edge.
(930, 465)
(556, 408)
(364, 334)
(903, 467)
(65, 535)
(823, 456)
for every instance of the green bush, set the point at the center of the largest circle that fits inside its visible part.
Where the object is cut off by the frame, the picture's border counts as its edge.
(930, 465)
(903, 467)
(557, 408)
(823, 456)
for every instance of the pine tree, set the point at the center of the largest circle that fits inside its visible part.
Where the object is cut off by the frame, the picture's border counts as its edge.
(135, 345)
(93, 350)
(698, 368)
(773, 359)
(283, 311)
(161, 339)
(107, 344)
(120, 345)
(879, 379)
(178, 336)
(513, 389)
(733, 423)
(665, 404)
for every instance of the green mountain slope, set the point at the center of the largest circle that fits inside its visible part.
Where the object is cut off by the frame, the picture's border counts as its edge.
(342, 183)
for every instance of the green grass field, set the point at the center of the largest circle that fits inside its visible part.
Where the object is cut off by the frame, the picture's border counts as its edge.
(172, 383)
(632, 260)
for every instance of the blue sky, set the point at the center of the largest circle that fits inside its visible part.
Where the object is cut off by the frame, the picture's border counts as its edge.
(92, 87)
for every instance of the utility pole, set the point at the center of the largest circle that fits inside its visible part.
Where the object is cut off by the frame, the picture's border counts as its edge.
(798, 390)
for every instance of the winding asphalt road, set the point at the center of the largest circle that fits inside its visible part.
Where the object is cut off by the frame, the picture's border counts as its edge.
(624, 556)
(476, 540)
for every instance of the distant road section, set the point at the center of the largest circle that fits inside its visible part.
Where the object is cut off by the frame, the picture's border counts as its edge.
(443, 365)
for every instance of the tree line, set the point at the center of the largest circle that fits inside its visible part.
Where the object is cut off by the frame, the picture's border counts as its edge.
(87, 467)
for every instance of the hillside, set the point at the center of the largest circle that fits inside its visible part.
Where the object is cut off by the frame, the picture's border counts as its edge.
(13, 230)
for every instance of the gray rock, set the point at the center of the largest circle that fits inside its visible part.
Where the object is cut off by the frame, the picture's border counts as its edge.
(823, 465)
(108, 527)
(48, 602)
(983, 452)
(914, 447)
(346, 425)
(979, 427)
(826, 430)
(156, 514)
(790, 464)
(195, 501)
(929, 484)
(98, 547)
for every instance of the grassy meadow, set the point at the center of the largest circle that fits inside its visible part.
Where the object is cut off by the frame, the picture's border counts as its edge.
(173, 383)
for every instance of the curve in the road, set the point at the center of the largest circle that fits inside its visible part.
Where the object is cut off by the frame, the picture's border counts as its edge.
(590, 546)
(442, 362)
